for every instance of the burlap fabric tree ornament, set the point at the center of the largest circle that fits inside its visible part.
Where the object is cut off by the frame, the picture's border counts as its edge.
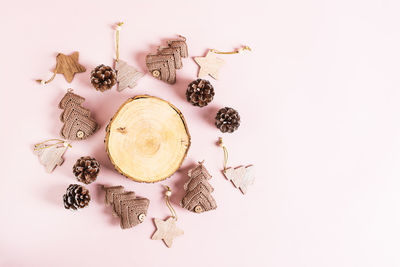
(130, 209)
(78, 124)
(163, 64)
(198, 196)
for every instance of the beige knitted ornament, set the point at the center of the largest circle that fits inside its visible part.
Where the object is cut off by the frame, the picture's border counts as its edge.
(130, 209)
(198, 196)
(163, 64)
(78, 124)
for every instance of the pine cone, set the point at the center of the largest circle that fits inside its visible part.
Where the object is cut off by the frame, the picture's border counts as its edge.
(200, 92)
(86, 169)
(227, 120)
(103, 78)
(76, 197)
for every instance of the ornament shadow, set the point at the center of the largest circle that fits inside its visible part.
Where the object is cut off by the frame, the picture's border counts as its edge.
(180, 178)
(83, 79)
(102, 111)
(209, 114)
(181, 85)
(140, 58)
(107, 210)
(54, 195)
(55, 114)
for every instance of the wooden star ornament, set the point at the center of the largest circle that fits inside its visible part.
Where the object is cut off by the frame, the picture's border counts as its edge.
(209, 65)
(67, 65)
(166, 230)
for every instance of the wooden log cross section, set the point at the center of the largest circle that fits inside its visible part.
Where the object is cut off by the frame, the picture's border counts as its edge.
(147, 139)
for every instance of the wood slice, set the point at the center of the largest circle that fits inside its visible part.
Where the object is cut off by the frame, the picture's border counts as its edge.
(147, 139)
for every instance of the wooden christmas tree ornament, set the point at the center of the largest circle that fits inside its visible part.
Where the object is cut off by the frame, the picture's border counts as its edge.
(67, 65)
(163, 64)
(198, 196)
(167, 229)
(147, 139)
(210, 64)
(241, 177)
(50, 153)
(127, 76)
(78, 124)
(130, 209)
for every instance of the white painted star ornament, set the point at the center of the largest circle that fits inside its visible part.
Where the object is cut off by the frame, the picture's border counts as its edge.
(167, 229)
(209, 65)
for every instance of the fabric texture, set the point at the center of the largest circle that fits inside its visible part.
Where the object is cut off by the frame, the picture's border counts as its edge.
(163, 64)
(198, 196)
(127, 76)
(78, 124)
(130, 209)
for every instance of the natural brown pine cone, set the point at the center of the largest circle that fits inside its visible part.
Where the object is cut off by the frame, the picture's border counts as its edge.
(227, 120)
(86, 169)
(200, 92)
(76, 197)
(103, 78)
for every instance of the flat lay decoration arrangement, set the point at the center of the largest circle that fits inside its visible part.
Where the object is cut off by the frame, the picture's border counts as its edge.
(147, 140)
(200, 133)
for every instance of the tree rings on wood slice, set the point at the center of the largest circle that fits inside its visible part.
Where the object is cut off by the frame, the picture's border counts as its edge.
(147, 139)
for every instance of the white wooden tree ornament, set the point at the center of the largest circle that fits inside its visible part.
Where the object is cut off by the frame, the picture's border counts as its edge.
(50, 155)
(241, 177)
(127, 76)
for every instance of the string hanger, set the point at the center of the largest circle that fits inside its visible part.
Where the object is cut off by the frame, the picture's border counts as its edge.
(236, 51)
(117, 29)
(168, 193)
(50, 143)
(44, 82)
(221, 144)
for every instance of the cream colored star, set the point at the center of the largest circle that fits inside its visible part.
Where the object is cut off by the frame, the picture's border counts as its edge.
(209, 65)
(166, 230)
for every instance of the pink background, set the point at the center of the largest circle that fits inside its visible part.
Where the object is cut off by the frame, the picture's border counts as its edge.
(319, 100)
